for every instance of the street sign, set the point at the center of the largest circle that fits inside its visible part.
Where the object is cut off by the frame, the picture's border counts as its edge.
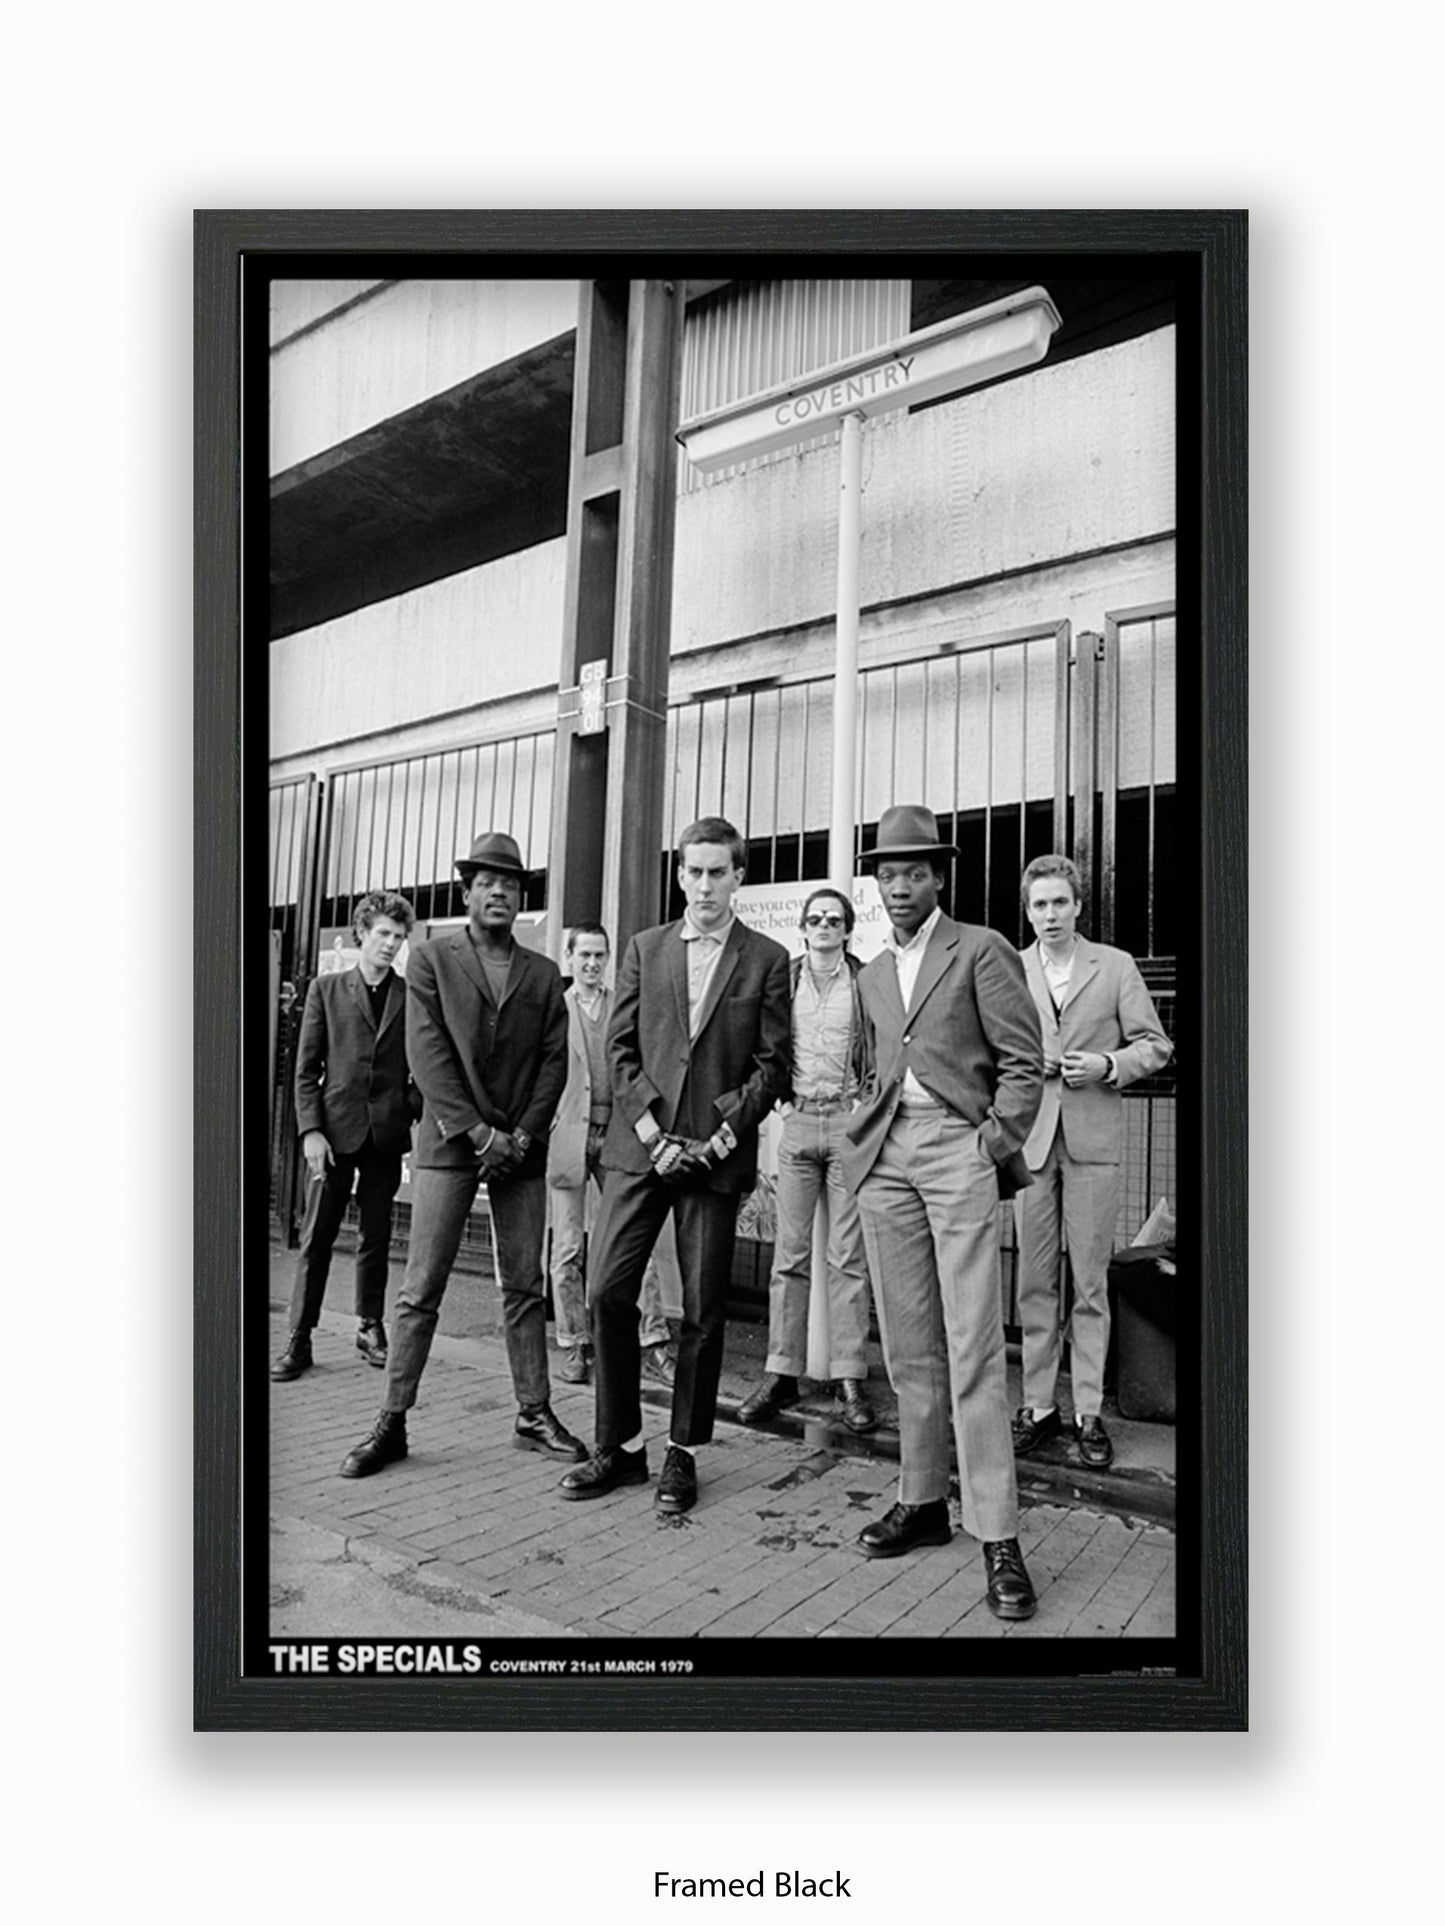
(590, 715)
(958, 353)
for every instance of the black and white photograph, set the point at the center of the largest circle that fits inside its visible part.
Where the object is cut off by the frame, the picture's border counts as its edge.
(722, 1107)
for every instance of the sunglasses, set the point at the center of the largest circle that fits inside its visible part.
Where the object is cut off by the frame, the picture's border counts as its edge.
(815, 921)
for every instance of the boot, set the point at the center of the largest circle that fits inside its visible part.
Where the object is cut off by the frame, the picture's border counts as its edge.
(385, 1444)
(295, 1359)
(538, 1430)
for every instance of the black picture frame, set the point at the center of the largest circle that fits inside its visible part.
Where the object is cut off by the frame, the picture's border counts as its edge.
(1213, 1699)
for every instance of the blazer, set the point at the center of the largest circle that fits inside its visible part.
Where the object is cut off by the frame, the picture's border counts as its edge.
(351, 1072)
(732, 1072)
(1107, 1008)
(476, 1062)
(567, 1145)
(971, 1038)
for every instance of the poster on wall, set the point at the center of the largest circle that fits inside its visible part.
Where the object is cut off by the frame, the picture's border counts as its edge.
(596, 603)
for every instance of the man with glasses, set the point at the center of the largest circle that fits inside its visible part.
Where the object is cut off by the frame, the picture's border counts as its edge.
(486, 1032)
(828, 1069)
(959, 1074)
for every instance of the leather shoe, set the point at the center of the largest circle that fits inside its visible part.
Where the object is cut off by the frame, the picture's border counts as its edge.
(657, 1363)
(386, 1443)
(295, 1359)
(1030, 1432)
(906, 1526)
(604, 1471)
(1093, 1442)
(371, 1342)
(858, 1414)
(1010, 1592)
(768, 1400)
(677, 1487)
(538, 1430)
(576, 1364)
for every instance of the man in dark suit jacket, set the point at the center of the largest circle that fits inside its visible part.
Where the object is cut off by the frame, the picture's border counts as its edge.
(699, 1052)
(486, 1033)
(959, 1072)
(354, 1109)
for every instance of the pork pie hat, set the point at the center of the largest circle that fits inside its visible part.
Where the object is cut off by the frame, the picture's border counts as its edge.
(908, 829)
(492, 851)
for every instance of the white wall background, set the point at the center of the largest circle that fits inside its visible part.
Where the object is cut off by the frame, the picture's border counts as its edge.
(1322, 1812)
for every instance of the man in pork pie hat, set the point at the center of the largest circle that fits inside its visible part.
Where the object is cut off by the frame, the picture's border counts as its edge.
(486, 1035)
(958, 1077)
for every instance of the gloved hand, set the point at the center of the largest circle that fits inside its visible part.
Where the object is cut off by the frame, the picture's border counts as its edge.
(675, 1159)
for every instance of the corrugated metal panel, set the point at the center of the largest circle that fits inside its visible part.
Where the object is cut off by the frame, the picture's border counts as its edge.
(757, 333)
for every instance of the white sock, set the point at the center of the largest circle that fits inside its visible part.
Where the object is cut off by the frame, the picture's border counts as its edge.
(633, 1444)
(1040, 1412)
(688, 1451)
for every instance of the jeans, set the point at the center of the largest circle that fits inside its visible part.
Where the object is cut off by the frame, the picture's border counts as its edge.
(440, 1201)
(809, 1160)
(377, 1174)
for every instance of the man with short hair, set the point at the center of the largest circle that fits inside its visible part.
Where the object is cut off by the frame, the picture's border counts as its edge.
(829, 1064)
(699, 1054)
(355, 1103)
(959, 1070)
(486, 1033)
(574, 1167)
(1101, 1033)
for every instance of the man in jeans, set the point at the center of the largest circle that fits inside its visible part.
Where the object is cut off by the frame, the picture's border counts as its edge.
(574, 1167)
(828, 1070)
(486, 1032)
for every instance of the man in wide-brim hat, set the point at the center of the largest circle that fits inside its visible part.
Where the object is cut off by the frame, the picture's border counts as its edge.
(486, 1034)
(958, 1075)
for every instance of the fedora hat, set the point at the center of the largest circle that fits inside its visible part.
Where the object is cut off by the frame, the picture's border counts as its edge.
(492, 851)
(908, 829)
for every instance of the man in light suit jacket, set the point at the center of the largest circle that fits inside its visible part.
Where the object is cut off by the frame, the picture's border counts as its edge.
(699, 1049)
(355, 1104)
(574, 1166)
(1101, 1033)
(958, 1072)
(486, 1032)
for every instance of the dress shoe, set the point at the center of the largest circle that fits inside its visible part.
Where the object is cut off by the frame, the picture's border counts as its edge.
(576, 1364)
(604, 1471)
(1030, 1432)
(768, 1400)
(899, 1530)
(1093, 1442)
(1010, 1592)
(371, 1342)
(538, 1430)
(657, 1363)
(384, 1446)
(677, 1487)
(295, 1359)
(858, 1414)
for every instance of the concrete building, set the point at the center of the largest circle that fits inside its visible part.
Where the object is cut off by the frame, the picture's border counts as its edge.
(1017, 643)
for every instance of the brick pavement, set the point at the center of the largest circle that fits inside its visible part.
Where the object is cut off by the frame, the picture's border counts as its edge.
(471, 1530)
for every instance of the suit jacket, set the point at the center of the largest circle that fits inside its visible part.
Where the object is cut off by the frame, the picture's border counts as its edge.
(567, 1146)
(732, 1072)
(475, 1062)
(351, 1071)
(1107, 1009)
(971, 1037)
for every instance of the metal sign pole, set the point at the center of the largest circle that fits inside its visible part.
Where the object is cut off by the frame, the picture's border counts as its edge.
(842, 824)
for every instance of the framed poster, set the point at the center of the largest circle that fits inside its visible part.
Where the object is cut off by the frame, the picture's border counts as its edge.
(426, 543)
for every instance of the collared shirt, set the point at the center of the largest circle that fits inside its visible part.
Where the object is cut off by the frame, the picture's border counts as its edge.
(1057, 975)
(908, 959)
(822, 1034)
(704, 947)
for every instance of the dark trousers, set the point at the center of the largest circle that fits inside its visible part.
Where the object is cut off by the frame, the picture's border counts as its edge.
(634, 1206)
(377, 1175)
(440, 1201)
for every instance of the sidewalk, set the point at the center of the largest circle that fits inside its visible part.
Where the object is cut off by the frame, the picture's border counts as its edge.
(468, 1535)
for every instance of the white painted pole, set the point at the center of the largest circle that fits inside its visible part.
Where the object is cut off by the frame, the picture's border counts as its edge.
(843, 820)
